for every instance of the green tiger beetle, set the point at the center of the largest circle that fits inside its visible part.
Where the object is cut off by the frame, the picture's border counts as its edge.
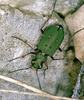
(50, 41)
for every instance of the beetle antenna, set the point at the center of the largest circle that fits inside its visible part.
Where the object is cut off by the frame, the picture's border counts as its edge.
(21, 56)
(72, 38)
(38, 79)
(54, 7)
(25, 41)
(19, 70)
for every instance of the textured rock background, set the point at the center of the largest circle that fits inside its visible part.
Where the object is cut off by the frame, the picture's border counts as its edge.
(24, 18)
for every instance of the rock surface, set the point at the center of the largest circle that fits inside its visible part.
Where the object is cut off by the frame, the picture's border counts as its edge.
(24, 19)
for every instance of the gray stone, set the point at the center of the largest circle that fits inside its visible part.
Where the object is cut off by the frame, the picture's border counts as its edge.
(15, 21)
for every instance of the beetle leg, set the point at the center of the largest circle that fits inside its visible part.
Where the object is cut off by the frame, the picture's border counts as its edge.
(72, 37)
(42, 31)
(60, 15)
(60, 26)
(46, 65)
(45, 23)
(60, 49)
(57, 58)
(49, 16)
(18, 70)
(44, 70)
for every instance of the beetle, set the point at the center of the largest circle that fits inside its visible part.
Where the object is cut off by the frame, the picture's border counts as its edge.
(49, 42)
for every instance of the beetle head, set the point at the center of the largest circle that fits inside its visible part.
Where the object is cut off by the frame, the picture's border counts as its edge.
(38, 60)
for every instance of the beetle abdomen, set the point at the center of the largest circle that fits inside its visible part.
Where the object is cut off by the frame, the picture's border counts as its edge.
(51, 39)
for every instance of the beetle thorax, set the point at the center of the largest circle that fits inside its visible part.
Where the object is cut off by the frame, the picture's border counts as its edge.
(38, 60)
